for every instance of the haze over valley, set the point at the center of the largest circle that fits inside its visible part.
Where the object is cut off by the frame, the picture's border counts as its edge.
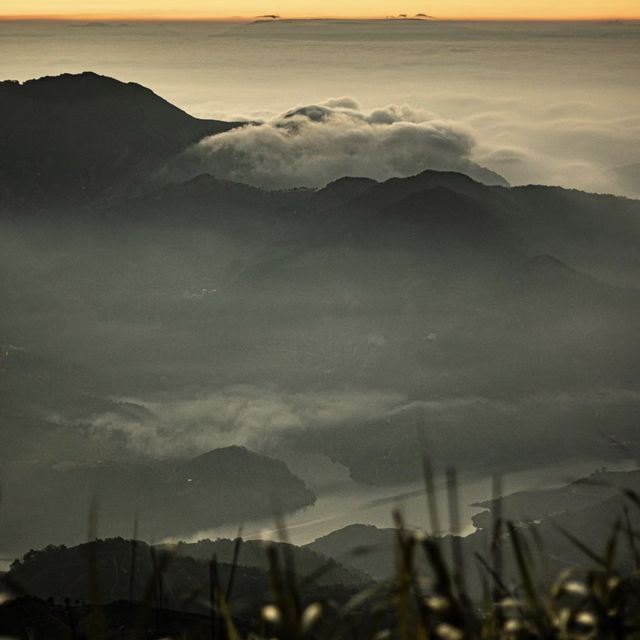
(157, 309)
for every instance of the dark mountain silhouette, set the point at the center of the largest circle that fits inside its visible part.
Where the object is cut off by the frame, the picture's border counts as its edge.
(361, 546)
(564, 223)
(233, 483)
(211, 203)
(73, 138)
(342, 190)
(396, 189)
(47, 620)
(534, 506)
(168, 497)
(587, 508)
(442, 216)
(598, 503)
(61, 573)
(131, 586)
(308, 563)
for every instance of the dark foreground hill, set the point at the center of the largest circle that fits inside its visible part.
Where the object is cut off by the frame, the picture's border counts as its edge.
(131, 590)
(28, 618)
(548, 575)
(114, 569)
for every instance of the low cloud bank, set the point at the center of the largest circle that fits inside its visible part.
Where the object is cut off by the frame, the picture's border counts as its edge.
(565, 144)
(238, 415)
(315, 144)
(375, 433)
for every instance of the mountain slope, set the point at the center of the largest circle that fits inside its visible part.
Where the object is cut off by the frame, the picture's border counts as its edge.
(252, 553)
(72, 138)
(363, 547)
(169, 497)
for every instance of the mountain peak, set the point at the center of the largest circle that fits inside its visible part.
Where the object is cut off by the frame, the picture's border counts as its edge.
(347, 183)
(72, 86)
(343, 190)
(233, 451)
(74, 137)
(469, 172)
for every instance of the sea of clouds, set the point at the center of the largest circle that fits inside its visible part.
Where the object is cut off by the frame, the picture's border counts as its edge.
(312, 145)
(550, 103)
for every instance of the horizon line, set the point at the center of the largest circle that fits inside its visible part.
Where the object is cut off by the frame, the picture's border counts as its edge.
(236, 19)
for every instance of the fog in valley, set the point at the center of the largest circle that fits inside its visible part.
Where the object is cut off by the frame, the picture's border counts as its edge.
(340, 267)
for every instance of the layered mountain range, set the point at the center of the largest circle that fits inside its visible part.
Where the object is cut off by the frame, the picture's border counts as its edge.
(146, 318)
(588, 510)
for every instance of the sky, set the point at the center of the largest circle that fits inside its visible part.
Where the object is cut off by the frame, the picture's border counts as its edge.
(478, 9)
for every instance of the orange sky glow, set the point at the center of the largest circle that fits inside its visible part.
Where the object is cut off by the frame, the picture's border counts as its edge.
(248, 9)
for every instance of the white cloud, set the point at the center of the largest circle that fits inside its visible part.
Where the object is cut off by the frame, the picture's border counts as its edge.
(566, 143)
(239, 415)
(315, 144)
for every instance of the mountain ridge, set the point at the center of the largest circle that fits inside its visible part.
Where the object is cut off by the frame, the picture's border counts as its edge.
(79, 137)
